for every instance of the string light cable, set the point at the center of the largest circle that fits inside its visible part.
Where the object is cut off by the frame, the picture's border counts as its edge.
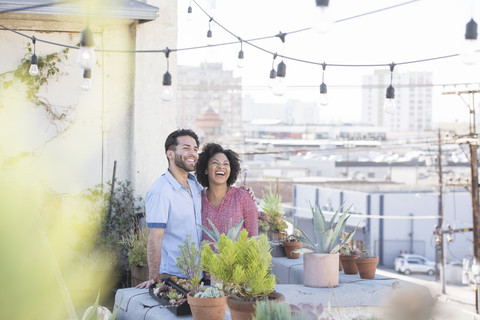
(248, 41)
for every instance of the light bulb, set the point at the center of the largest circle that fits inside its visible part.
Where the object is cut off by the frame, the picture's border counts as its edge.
(189, 13)
(389, 106)
(240, 60)
(166, 93)
(273, 76)
(86, 57)
(86, 84)
(86, 54)
(323, 99)
(279, 86)
(468, 53)
(33, 70)
(209, 37)
(33, 65)
(322, 17)
(469, 47)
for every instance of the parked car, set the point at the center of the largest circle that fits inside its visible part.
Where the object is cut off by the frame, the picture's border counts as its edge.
(408, 263)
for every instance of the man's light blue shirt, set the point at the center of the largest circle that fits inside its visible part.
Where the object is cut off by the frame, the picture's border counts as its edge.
(169, 205)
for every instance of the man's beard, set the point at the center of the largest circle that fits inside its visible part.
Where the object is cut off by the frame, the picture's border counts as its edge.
(179, 162)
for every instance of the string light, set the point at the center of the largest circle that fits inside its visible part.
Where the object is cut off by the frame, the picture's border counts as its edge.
(209, 32)
(34, 60)
(389, 106)
(468, 53)
(273, 73)
(86, 81)
(323, 99)
(322, 17)
(240, 60)
(86, 55)
(280, 85)
(166, 93)
(189, 11)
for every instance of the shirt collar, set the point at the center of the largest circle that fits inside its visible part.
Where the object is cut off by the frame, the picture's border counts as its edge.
(175, 184)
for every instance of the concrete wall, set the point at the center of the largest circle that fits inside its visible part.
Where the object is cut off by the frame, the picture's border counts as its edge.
(122, 117)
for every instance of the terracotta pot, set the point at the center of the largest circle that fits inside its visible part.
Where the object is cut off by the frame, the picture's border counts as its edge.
(291, 246)
(138, 275)
(244, 310)
(320, 270)
(367, 267)
(207, 308)
(348, 263)
(340, 267)
(274, 235)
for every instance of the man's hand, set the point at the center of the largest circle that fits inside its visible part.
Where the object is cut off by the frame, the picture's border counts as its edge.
(145, 284)
(250, 191)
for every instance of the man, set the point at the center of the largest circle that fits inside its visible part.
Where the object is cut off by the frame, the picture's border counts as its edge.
(173, 207)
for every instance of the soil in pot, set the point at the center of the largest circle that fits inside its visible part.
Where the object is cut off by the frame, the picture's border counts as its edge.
(207, 308)
(291, 246)
(348, 263)
(367, 267)
(244, 310)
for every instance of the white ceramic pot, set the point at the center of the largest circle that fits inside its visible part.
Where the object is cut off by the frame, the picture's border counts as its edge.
(320, 270)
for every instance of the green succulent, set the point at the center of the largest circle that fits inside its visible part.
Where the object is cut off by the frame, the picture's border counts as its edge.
(326, 234)
(233, 232)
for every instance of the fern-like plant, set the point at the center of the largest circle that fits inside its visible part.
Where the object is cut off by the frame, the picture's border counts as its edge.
(243, 266)
(326, 234)
(272, 216)
(189, 262)
(272, 310)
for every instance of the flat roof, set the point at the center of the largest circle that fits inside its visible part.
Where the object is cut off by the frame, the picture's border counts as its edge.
(121, 9)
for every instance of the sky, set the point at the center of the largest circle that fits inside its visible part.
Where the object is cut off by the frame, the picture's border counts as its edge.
(415, 31)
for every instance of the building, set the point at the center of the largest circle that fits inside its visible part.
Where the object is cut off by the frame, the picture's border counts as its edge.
(209, 86)
(393, 218)
(413, 100)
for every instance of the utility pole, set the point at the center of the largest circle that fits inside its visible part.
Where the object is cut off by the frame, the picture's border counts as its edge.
(472, 140)
(441, 244)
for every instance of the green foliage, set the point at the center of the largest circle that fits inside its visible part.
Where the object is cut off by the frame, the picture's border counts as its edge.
(48, 68)
(326, 234)
(243, 266)
(272, 217)
(104, 230)
(233, 232)
(272, 310)
(189, 262)
(136, 245)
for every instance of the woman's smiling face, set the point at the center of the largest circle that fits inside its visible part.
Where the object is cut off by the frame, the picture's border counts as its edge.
(218, 170)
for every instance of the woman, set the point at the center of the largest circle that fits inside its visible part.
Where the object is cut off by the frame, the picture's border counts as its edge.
(217, 170)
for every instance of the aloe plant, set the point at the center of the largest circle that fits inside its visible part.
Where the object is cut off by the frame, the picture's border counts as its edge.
(326, 234)
(232, 233)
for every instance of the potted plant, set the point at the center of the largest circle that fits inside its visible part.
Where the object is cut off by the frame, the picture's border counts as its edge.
(136, 244)
(271, 218)
(205, 303)
(348, 255)
(244, 268)
(290, 245)
(320, 259)
(367, 265)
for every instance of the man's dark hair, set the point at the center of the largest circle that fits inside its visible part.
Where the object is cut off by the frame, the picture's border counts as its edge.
(171, 142)
(208, 151)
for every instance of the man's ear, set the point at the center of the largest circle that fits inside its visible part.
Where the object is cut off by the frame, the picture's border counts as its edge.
(170, 154)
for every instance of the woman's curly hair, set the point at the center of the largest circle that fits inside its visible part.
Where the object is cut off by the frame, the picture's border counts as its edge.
(208, 151)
